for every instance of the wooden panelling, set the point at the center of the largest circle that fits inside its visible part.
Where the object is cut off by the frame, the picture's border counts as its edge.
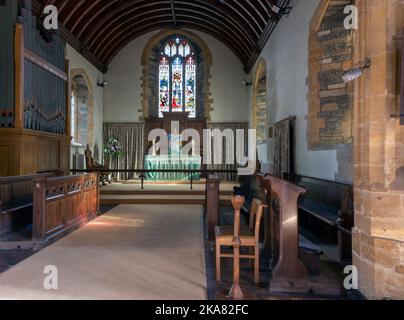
(4, 158)
(63, 203)
(16, 198)
(29, 152)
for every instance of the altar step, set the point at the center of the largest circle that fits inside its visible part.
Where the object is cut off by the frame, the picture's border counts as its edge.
(167, 199)
(161, 193)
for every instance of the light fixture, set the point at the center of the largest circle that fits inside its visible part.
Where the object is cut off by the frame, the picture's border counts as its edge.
(246, 83)
(281, 11)
(355, 73)
(102, 83)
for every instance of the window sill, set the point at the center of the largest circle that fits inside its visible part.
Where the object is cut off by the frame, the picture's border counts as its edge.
(77, 145)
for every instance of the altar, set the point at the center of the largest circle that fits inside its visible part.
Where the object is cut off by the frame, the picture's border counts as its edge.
(152, 162)
(173, 158)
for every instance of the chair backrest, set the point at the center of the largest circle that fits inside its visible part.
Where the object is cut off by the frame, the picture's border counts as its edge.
(89, 158)
(256, 212)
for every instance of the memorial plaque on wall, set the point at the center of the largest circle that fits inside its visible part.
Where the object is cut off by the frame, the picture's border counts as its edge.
(330, 99)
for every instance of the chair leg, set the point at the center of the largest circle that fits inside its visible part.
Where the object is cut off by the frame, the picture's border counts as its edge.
(256, 265)
(217, 261)
(251, 252)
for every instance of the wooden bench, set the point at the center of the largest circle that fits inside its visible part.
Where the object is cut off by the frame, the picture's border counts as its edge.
(16, 199)
(326, 210)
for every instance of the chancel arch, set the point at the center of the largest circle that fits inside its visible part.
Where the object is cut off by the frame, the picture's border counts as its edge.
(82, 108)
(151, 61)
(260, 112)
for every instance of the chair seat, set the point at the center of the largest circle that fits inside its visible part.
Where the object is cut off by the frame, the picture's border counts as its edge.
(227, 232)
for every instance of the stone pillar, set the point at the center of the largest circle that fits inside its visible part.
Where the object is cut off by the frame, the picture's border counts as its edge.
(378, 236)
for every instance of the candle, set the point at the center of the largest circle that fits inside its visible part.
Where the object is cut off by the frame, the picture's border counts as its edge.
(154, 148)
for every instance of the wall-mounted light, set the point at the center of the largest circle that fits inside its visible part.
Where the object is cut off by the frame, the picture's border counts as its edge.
(102, 83)
(355, 73)
(281, 11)
(246, 83)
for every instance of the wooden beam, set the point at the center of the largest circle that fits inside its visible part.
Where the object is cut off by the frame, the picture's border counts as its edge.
(173, 12)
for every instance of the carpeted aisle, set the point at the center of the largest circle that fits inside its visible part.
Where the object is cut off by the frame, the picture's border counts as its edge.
(132, 252)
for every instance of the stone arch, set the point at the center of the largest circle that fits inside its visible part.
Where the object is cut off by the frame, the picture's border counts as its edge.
(148, 64)
(260, 100)
(330, 109)
(80, 72)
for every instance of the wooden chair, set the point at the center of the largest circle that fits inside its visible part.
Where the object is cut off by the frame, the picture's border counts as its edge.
(249, 236)
(93, 165)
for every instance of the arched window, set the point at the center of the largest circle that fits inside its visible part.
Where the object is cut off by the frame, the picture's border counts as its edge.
(80, 114)
(177, 77)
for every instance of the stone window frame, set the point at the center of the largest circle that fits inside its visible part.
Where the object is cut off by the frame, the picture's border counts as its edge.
(90, 104)
(148, 86)
(261, 68)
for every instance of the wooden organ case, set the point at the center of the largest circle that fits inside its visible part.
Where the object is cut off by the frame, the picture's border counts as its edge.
(35, 132)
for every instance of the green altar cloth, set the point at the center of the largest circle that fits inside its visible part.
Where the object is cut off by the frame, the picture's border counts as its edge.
(172, 163)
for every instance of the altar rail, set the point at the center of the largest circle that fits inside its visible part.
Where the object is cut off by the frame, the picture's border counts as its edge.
(63, 203)
(203, 172)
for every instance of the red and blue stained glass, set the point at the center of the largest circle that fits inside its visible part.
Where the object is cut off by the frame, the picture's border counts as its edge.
(164, 84)
(177, 77)
(190, 76)
(177, 81)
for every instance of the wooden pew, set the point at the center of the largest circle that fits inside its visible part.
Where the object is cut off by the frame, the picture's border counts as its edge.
(62, 204)
(212, 203)
(326, 210)
(16, 200)
(309, 252)
(289, 272)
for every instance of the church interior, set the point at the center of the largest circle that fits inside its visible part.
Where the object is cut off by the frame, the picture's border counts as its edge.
(202, 150)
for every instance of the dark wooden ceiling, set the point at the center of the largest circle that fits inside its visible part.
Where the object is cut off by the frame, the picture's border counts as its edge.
(99, 29)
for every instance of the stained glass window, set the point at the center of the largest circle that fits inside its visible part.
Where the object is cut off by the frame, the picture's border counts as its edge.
(177, 81)
(177, 77)
(164, 84)
(190, 81)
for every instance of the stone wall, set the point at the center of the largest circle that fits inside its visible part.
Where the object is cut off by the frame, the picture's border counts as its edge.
(260, 102)
(378, 236)
(330, 105)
